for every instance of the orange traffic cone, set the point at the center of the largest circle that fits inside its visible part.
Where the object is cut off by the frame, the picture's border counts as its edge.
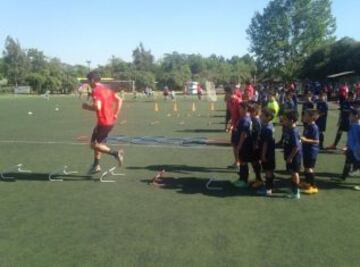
(156, 107)
(175, 108)
(193, 108)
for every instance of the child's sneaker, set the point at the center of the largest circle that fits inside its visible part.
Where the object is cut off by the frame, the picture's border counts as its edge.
(294, 195)
(240, 184)
(304, 185)
(263, 192)
(311, 190)
(256, 184)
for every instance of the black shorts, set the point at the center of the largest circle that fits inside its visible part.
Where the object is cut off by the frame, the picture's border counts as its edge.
(294, 166)
(235, 137)
(256, 155)
(309, 163)
(245, 155)
(344, 125)
(100, 133)
(269, 165)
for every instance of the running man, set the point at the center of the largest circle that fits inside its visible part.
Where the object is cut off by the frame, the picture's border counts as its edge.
(106, 104)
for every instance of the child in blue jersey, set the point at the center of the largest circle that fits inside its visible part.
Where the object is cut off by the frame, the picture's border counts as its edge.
(292, 151)
(308, 104)
(255, 111)
(310, 150)
(244, 145)
(267, 150)
(288, 104)
(353, 144)
(322, 108)
(344, 118)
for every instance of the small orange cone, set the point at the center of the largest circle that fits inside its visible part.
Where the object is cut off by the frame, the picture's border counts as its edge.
(175, 108)
(156, 107)
(193, 108)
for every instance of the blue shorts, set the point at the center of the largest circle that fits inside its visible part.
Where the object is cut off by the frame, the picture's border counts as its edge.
(294, 166)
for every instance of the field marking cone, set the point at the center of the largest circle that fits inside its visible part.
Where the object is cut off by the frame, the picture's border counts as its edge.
(193, 108)
(175, 108)
(156, 107)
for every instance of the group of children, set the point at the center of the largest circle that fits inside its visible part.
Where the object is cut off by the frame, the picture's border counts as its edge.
(253, 142)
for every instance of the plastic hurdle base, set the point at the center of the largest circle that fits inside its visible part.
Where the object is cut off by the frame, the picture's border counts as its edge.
(60, 172)
(17, 168)
(111, 172)
(212, 188)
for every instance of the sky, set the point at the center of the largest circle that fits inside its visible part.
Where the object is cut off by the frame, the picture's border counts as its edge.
(77, 31)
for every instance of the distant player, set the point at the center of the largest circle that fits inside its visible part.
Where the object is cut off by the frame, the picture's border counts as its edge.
(353, 145)
(344, 118)
(322, 108)
(106, 104)
(267, 150)
(310, 148)
(308, 104)
(233, 106)
(244, 144)
(255, 111)
(292, 151)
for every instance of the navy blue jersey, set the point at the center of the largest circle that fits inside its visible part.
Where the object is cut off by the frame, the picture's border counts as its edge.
(245, 126)
(322, 107)
(311, 131)
(307, 105)
(292, 140)
(267, 136)
(255, 130)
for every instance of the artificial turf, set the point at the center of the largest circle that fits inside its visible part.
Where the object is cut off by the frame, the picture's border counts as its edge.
(80, 222)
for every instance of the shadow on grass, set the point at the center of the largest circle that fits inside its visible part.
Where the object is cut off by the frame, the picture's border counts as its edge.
(201, 131)
(43, 177)
(195, 185)
(181, 169)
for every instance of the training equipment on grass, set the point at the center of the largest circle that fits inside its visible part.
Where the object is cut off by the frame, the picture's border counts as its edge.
(56, 109)
(357, 188)
(193, 107)
(212, 188)
(156, 179)
(17, 168)
(60, 172)
(210, 91)
(156, 107)
(112, 172)
(175, 108)
(30, 113)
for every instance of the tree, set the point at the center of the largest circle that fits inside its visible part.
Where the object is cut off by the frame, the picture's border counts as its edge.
(287, 32)
(15, 62)
(142, 59)
(343, 55)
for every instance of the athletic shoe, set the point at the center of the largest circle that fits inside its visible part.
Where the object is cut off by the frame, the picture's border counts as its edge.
(94, 169)
(304, 185)
(234, 166)
(263, 192)
(120, 157)
(331, 147)
(256, 184)
(240, 184)
(311, 190)
(354, 173)
(293, 196)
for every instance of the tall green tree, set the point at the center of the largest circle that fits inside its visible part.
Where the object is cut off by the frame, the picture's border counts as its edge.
(143, 60)
(287, 32)
(16, 63)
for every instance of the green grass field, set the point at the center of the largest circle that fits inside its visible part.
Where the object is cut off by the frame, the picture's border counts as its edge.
(80, 222)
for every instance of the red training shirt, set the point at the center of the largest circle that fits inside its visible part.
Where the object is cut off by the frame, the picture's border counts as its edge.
(106, 114)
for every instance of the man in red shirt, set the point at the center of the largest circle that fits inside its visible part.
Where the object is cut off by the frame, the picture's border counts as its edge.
(343, 92)
(249, 90)
(106, 104)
